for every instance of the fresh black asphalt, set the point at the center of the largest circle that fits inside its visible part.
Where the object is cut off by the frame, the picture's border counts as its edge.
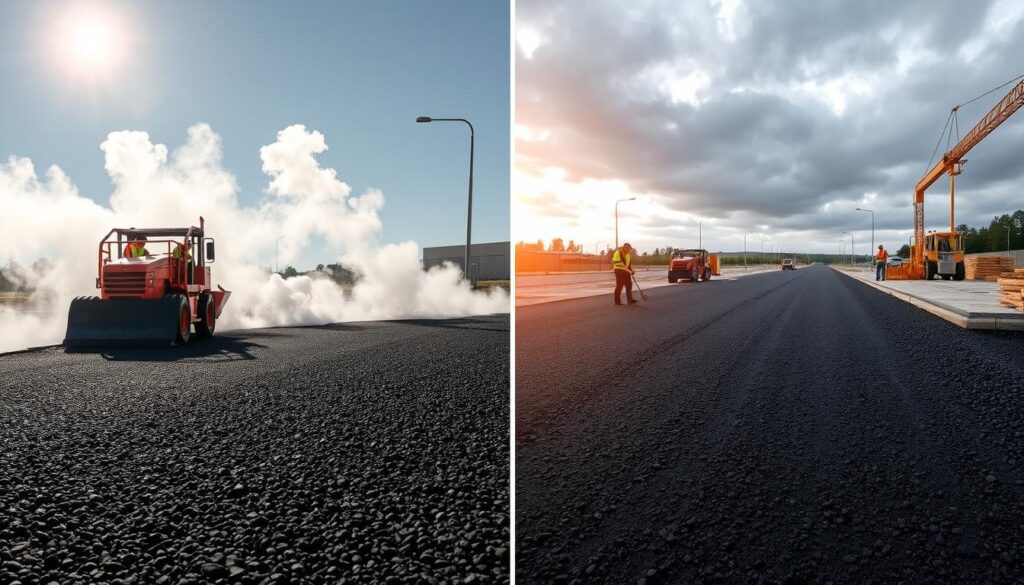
(788, 427)
(356, 453)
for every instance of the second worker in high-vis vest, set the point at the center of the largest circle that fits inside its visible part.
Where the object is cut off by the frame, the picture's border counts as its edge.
(881, 258)
(622, 262)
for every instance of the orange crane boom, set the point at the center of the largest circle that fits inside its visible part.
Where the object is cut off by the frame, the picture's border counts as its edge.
(950, 164)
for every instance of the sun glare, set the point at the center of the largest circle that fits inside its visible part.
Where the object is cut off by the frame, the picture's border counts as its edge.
(89, 42)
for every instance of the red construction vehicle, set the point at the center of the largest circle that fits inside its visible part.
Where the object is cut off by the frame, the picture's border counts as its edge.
(695, 265)
(155, 298)
(941, 253)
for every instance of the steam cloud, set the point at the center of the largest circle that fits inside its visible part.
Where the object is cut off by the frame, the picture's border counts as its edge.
(46, 217)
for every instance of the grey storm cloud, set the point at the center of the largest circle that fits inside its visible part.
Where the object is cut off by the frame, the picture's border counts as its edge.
(762, 142)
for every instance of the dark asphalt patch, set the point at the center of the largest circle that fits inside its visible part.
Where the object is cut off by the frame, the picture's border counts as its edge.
(780, 428)
(363, 453)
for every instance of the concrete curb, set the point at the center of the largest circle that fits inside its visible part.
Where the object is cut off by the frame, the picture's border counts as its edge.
(958, 317)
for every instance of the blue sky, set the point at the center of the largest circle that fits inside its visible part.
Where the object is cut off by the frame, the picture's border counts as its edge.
(359, 72)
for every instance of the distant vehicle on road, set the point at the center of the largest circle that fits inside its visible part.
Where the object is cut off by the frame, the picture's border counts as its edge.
(693, 265)
(788, 264)
(896, 261)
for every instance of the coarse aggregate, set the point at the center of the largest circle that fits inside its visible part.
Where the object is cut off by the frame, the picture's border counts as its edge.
(350, 453)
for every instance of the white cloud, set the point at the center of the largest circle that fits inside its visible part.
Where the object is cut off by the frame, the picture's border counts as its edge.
(528, 134)
(528, 40)
(727, 17)
(1000, 20)
(157, 187)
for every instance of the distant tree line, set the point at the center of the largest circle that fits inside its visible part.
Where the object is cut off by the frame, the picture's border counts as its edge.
(17, 278)
(984, 239)
(993, 237)
(556, 245)
(339, 273)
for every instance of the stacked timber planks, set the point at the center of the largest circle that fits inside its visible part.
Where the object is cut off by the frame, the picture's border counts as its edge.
(1011, 289)
(986, 267)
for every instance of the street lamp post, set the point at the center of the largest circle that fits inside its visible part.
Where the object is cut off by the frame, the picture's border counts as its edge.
(469, 212)
(617, 220)
(745, 234)
(851, 247)
(277, 268)
(872, 227)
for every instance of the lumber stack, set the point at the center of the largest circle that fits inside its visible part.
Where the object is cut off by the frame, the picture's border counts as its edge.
(1011, 289)
(986, 267)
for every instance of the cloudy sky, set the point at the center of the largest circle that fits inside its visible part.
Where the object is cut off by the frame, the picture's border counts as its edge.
(74, 71)
(777, 118)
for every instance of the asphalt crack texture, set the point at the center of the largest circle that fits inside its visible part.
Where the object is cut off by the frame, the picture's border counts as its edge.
(362, 453)
(801, 428)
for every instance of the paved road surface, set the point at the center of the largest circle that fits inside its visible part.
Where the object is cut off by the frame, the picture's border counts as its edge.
(795, 427)
(533, 289)
(356, 453)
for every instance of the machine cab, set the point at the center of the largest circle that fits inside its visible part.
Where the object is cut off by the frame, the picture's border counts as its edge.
(944, 255)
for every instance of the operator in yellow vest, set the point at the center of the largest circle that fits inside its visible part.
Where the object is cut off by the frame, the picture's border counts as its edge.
(136, 248)
(881, 258)
(184, 252)
(622, 262)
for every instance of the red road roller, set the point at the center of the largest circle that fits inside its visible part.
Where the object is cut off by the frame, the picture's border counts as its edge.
(155, 286)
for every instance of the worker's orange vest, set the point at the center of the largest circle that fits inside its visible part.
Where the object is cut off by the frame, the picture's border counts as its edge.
(135, 249)
(882, 256)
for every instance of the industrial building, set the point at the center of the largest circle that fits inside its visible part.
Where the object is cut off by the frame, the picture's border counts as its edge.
(490, 260)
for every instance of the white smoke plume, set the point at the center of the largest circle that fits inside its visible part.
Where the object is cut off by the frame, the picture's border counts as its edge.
(154, 187)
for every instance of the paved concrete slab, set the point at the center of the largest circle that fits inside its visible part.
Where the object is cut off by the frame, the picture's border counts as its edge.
(971, 304)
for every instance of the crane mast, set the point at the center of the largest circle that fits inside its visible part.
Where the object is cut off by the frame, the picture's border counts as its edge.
(951, 163)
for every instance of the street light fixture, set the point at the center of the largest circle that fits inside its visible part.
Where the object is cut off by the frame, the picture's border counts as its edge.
(872, 227)
(469, 212)
(851, 247)
(617, 220)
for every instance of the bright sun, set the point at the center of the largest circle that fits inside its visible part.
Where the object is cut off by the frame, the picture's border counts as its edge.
(89, 42)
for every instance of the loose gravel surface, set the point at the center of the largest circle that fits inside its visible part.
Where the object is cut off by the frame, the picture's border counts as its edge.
(357, 453)
(794, 427)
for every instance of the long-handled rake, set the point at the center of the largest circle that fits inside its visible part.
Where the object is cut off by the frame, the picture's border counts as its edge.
(643, 295)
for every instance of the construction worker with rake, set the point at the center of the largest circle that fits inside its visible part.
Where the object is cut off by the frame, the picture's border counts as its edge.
(622, 262)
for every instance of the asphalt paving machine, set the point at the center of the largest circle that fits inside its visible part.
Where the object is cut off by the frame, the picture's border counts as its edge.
(151, 295)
